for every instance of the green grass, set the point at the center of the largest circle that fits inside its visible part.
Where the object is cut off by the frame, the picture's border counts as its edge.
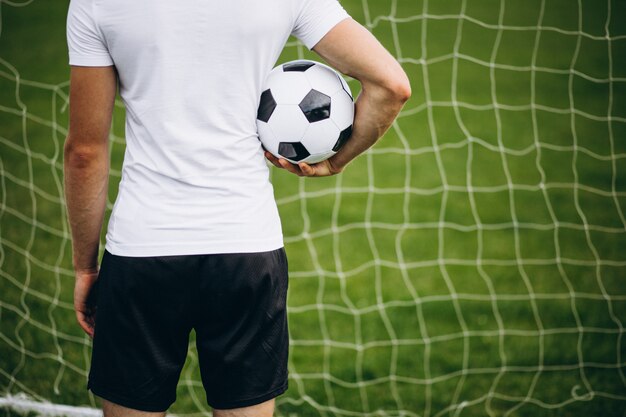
(472, 264)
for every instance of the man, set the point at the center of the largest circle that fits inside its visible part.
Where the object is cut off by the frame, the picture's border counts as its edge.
(194, 240)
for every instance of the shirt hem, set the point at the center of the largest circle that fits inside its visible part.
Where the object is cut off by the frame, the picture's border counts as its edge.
(90, 61)
(195, 248)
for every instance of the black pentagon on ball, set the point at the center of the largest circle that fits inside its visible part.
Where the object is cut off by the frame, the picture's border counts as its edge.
(266, 106)
(315, 106)
(297, 66)
(343, 138)
(293, 150)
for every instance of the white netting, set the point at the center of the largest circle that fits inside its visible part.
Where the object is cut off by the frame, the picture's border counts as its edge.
(472, 263)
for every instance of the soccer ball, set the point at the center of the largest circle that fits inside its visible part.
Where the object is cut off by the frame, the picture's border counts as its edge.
(305, 113)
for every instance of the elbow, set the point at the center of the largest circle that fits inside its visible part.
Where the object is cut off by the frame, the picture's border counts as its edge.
(82, 156)
(399, 87)
(396, 89)
(402, 91)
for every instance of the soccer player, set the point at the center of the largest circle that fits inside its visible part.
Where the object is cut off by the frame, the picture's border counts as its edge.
(194, 241)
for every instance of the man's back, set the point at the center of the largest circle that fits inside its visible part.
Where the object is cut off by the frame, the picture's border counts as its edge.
(194, 177)
(194, 181)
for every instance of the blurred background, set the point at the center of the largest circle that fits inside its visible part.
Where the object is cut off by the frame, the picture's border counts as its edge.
(472, 263)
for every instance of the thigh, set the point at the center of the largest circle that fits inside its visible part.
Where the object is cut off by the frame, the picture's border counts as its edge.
(265, 409)
(142, 330)
(110, 409)
(241, 328)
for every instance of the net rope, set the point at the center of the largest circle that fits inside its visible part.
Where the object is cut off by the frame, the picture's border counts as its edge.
(401, 364)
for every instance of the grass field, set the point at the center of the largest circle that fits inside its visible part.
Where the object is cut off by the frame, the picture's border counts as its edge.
(473, 263)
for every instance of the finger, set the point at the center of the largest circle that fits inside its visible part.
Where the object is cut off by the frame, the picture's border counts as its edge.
(272, 159)
(306, 169)
(294, 169)
(87, 323)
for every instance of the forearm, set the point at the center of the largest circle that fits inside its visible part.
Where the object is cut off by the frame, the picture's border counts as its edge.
(86, 183)
(353, 50)
(375, 110)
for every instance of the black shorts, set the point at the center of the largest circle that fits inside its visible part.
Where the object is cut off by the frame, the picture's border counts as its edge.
(147, 307)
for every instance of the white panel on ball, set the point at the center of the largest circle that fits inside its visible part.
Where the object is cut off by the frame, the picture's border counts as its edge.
(320, 136)
(288, 123)
(342, 109)
(266, 131)
(323, 79)
(346, 87)
(313, 159)
(288, 87)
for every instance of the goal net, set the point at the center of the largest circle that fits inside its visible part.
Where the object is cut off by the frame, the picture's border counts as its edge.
(472, 263)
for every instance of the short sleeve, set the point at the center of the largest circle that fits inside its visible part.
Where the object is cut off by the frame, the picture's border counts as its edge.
(315, 19)
(84, 40)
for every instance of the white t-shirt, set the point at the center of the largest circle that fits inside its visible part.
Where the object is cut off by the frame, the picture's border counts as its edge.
(194, 177)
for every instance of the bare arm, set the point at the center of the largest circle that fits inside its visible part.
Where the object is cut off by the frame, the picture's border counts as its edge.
(86, 167)
(351, 49)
